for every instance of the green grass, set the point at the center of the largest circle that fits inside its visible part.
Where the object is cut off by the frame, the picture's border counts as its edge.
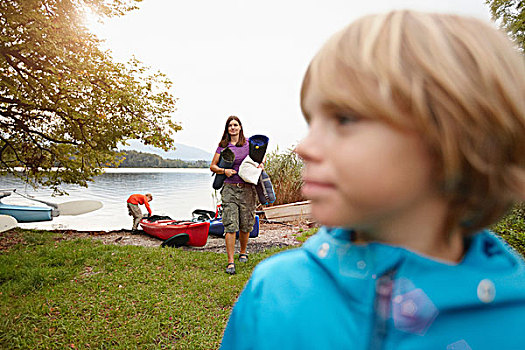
(81, 294)
(85, 295)
(305, 234)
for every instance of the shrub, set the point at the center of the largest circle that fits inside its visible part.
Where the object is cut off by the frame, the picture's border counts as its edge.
(512, 228)
(284, 170)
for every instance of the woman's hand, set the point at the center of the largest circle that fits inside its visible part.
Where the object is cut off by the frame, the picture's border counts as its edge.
(229, 172)
(261, 165)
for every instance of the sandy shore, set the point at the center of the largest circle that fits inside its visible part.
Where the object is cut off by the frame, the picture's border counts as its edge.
(270, 235)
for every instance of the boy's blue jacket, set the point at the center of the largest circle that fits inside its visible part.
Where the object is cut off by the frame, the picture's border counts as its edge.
(334, 294)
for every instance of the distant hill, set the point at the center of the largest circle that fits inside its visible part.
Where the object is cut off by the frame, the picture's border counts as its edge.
(181, 151)
(136, 159)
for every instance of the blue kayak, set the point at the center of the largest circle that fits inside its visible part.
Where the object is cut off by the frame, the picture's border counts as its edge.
(26, 214)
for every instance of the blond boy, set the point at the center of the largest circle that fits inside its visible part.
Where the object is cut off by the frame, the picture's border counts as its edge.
(416, 143)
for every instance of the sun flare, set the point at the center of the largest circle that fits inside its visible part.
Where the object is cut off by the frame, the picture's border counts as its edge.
(92, 21)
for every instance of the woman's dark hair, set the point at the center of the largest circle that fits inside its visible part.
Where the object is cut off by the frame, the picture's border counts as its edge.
(226, 138)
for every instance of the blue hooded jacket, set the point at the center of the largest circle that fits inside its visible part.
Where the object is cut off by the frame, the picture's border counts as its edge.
(334, 294)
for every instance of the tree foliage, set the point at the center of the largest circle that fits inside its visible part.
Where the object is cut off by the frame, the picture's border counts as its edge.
(510, 15)
(65, 104)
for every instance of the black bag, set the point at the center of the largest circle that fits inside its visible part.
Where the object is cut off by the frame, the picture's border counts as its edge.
(203, 215)
(226, 162)
(154, 218)
(258, 145)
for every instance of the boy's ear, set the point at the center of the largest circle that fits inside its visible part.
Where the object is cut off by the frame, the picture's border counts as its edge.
(518, 177)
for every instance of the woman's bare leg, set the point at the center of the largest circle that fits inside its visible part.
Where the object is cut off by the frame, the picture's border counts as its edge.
(230, 246)
(243, 239)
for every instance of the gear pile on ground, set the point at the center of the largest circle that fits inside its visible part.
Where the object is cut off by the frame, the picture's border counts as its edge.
(270, 235)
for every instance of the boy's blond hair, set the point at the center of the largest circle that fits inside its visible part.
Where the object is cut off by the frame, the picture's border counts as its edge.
(457, 82)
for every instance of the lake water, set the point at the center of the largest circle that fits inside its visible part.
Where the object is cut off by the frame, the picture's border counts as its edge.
(176, 193)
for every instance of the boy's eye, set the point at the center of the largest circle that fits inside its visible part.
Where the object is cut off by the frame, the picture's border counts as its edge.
(344, 119)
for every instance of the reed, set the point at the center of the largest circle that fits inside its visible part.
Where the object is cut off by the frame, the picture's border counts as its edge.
(285, 170)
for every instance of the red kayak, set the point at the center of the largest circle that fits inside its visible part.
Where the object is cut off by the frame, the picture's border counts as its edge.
(165, 229)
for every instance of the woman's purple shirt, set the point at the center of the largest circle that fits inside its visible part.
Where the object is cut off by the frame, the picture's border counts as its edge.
(240, 153)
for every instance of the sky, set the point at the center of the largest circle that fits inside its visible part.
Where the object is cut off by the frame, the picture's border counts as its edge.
(242, 57)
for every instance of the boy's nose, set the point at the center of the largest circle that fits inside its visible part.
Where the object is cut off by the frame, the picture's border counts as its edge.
(310, 148)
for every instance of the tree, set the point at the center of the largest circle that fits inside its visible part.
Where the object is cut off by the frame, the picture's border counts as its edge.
(510, 15)
(64, 104)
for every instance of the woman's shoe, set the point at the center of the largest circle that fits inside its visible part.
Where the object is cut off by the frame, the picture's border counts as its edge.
(243, 258)
(230, 269)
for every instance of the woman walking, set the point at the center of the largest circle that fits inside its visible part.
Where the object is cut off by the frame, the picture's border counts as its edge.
(238, 196)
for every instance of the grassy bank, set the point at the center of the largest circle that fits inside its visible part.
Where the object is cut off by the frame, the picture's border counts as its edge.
(81, 294)
(84, 295)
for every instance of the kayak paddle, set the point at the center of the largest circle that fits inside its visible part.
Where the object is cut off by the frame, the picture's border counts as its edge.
(78, 207)
(7, 222)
